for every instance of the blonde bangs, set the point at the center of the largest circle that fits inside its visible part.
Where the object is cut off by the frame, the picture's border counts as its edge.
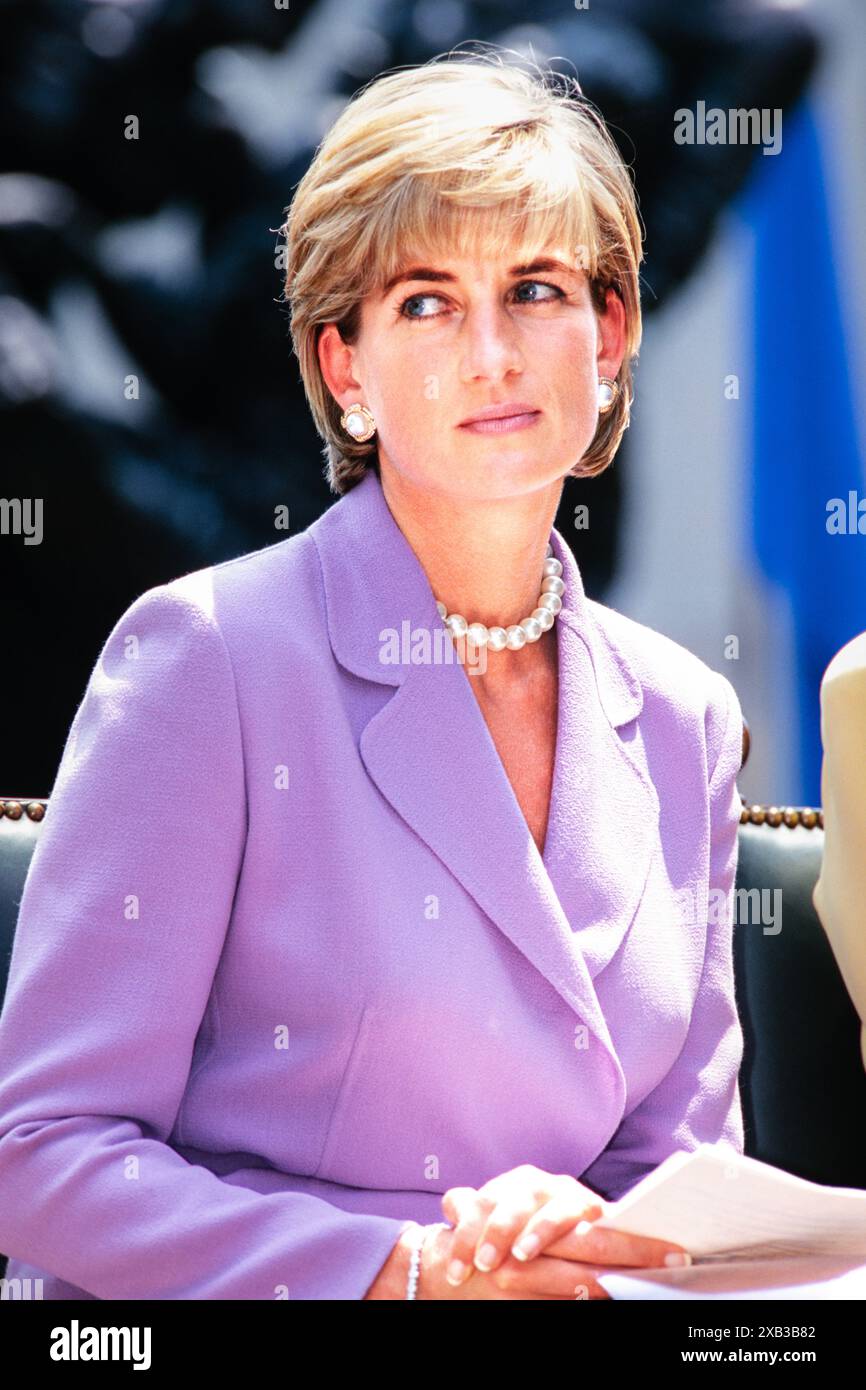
(424, 220)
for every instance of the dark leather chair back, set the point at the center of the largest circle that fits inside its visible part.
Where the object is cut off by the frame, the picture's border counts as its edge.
(20, 819)
(802, 1080)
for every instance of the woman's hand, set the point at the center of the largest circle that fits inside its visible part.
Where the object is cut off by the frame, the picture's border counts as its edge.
(502, 1228)
(543, 1278)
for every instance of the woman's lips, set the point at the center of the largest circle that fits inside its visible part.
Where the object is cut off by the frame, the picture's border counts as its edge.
(504, 424)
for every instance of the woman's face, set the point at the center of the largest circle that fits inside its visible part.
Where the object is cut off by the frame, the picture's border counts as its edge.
(452, 337)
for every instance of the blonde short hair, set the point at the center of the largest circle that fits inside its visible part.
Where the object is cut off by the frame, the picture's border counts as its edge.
(476, 154)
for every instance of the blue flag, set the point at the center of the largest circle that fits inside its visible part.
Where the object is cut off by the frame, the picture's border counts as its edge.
(807, 470)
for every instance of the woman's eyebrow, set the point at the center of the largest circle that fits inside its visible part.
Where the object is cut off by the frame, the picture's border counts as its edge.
(422, 272)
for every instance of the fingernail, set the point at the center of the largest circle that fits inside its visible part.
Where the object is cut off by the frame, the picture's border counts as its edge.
(677, 1257)
(486, 1257)
(582, 1228)
(526, 1247)
(456, 1272)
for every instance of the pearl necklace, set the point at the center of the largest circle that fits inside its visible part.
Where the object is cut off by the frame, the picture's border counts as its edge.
(518, 634)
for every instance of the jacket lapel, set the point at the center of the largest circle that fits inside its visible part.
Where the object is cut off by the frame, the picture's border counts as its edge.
(430, 753)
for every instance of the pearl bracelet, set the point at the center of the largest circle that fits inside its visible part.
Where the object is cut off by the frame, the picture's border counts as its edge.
(415, 1261)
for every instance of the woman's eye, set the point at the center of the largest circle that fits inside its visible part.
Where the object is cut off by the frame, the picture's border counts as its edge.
(524, 284)
(542, 284)
(414, 299)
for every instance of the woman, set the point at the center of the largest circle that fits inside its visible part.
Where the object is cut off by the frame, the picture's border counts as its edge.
(335, 928)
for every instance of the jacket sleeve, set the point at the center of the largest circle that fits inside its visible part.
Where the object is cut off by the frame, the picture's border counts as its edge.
(698, 1101)
(121, 924)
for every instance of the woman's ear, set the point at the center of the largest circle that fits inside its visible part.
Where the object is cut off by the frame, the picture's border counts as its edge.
(611, 335)
(336, 361)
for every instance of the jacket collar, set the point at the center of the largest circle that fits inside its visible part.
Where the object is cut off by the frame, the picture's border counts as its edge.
(374, 581)
(429, 751)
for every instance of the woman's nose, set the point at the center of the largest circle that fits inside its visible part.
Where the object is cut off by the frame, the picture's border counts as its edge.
(491, 340)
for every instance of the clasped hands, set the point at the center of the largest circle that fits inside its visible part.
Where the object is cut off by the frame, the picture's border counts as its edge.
(532, 1234)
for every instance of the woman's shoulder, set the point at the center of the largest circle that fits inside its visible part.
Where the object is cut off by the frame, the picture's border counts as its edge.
(278, 576)
(276, 584)
(226, 616)
(672, 677)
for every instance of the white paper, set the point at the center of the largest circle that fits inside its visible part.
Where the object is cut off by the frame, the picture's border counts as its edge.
(753, 1231)
(804, 1278)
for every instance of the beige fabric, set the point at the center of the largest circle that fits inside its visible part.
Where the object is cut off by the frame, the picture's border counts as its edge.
(839, 896)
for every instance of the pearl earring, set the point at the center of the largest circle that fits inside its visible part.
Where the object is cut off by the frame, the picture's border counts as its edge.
(608, 390)
(358, 422)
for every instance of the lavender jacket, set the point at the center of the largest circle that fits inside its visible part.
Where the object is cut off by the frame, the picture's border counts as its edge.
(289, 964)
